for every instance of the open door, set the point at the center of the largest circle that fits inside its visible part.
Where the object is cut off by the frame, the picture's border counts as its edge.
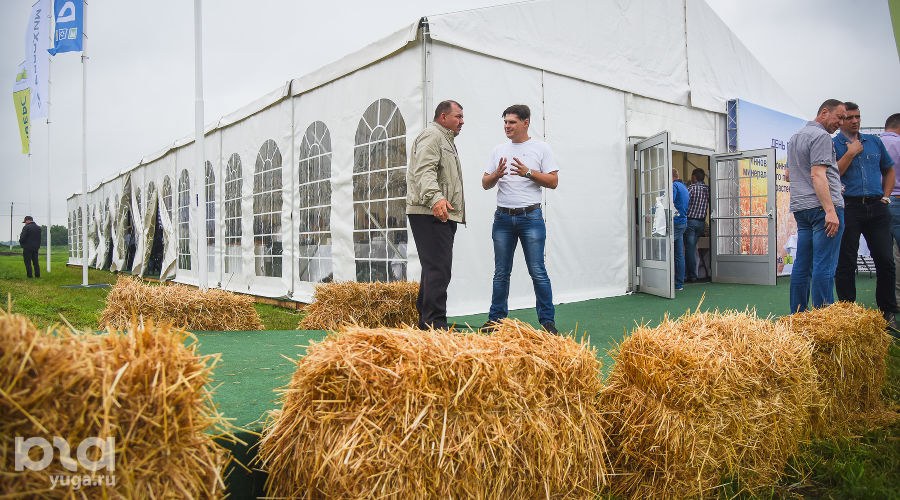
(655, 212)
(742, 217)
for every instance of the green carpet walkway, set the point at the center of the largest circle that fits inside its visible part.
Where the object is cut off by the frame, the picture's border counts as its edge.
(253, 364)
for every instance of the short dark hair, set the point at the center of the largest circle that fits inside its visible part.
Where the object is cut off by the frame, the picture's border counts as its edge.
(851, 106)
(829, 104)
(445, 107)
(892, 121)
(520, 110)
(699, 174)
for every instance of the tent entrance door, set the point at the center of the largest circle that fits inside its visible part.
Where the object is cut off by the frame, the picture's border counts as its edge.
(655, 264)
(742, 217)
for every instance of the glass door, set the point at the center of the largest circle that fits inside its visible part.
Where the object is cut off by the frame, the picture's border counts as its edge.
(656, 209)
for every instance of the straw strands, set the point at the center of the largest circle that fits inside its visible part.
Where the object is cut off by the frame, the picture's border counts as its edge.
(144, 388)
(402, 413)
(707, 396)
(180, 306)
(850, 348)
(373, 305)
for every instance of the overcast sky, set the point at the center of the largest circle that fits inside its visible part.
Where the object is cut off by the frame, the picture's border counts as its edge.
(141, 73)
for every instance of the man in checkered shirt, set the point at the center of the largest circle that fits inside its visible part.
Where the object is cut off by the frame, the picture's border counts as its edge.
(698, 204)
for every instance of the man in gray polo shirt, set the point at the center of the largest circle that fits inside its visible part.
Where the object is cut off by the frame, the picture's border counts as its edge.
(818, 207)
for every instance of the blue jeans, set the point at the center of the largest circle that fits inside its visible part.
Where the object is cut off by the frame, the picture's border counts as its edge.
(895, 218)
(678, 239)
(530, 230)
(695, 229)
(817, 256)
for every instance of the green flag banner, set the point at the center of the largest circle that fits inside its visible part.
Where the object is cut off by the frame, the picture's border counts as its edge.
(22, 100)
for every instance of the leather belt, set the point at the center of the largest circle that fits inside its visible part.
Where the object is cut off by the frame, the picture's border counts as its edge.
(863, 200)
(519, 211)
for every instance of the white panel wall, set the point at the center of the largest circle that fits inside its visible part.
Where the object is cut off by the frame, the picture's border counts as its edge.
(689, 126)
(340, 105)
(587, 250)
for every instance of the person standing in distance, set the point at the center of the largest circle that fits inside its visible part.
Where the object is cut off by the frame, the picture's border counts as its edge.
(434, 206)
(680, 197)
(30, 240)
(520, 168)
(867, 173)
(891, 140)
(698, 205)
(818, 207)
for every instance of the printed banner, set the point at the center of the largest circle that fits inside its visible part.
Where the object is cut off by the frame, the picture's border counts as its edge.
(757, 128)
(67, 37)
(36, 59)
(22, 98)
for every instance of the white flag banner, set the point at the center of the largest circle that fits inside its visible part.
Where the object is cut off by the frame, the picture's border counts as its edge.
(37, 60)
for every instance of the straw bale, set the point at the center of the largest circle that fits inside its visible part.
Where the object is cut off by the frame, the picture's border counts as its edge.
(402, 413)
(146, 388)
(850, 349)
(181, 306)
(373, 305)
(707, 396)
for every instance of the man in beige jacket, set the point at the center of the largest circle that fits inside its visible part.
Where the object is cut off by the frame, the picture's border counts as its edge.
(435, 204)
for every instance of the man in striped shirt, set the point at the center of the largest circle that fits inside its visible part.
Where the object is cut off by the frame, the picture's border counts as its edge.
(698, 204)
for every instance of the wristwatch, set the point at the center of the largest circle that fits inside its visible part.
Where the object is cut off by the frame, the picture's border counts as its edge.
(528, 174)
(886, 199)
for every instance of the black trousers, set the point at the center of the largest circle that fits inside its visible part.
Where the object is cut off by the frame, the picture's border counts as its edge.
(31, 258)
(872, 220)
(434, 241)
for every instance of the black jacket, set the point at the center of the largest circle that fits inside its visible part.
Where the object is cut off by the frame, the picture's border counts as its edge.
(30, 239)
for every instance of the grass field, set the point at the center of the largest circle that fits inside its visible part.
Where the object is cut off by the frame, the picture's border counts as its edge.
(866, 465)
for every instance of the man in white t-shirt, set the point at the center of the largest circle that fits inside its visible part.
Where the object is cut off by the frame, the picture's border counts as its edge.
(520, 168)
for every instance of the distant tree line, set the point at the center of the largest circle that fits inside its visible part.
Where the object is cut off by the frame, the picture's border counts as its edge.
(59, 235)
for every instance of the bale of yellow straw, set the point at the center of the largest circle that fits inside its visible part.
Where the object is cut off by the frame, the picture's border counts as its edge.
(850, 349)
(373, 305)
(704, 397)
(402, 413)
(180, 306)
(144, 388)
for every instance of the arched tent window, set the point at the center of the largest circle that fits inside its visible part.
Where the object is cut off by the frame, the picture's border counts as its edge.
(167, 196)
(210, 218)
(267, 203)
(71, 235)
(233, 185)
(184, 229)
(315, 205)
(79, 232)
(379, 194)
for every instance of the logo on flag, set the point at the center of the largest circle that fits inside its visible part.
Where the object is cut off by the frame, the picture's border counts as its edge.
(69, 25)
(22, 101)
(37, 61)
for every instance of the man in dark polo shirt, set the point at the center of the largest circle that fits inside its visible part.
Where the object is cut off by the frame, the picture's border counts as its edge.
(867, 173)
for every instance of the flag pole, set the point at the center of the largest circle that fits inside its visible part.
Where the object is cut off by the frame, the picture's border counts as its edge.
(200, 153)
(49, 196)
(84, 209)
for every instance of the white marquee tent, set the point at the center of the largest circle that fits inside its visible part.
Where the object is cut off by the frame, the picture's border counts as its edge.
(307, 184)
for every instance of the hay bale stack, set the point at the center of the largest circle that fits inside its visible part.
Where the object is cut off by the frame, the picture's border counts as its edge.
(850, 348)
(144, 388)
(391, 413)
(180, 306)
(372, 305)
(705, 397)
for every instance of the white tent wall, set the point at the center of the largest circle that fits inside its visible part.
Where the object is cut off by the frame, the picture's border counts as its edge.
(587, 242)
(635, 46)
(722, 68)
(485, 86)
(163, 174)
(212, 233)
(262, 139)
(340, 106)
(138, 205)
(689, 126)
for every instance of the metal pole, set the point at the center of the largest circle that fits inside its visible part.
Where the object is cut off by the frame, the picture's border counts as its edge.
(49, 224)
(10, 224)
(200, 172)
(84, 207)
